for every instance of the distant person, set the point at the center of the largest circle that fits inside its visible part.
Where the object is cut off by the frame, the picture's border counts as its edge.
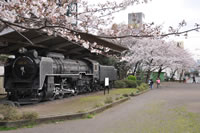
(194, 80)
(150, 82)
(158, 82)
(184, 80)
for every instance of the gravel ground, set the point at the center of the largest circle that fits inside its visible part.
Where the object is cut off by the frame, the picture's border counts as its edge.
(173, 108)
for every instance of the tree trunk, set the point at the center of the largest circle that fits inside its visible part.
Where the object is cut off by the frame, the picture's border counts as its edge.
(148, 75)
(181, 75)
(135, 69)
(122, 71)
(149, 71)
(172, 77)
(159, 71)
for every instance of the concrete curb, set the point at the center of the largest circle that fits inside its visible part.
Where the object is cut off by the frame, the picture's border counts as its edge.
(49, 119)
(141, 92)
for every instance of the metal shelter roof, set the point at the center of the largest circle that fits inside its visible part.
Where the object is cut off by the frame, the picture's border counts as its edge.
(11, 41)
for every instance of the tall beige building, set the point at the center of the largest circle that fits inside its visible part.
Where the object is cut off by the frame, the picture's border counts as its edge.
(180, 44)
(135, 19)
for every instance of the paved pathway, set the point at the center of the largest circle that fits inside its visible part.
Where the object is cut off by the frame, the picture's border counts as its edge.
(138, 115)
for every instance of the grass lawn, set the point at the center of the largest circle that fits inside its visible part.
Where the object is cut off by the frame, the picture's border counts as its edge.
(78, 104)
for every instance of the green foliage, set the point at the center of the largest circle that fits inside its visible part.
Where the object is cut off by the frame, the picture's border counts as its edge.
(125, 84)
(98, 105)
(117, 98)
(132, 94)
(121, 91)
(120, 84)
(108, 100)
(130, 83)
(142, 87)
(121, 97)
(9, 113)
(146, 86)
(139, 82)
(131, 77)
(29, 115)
(90, 116)
(125, 95)
(7, 128)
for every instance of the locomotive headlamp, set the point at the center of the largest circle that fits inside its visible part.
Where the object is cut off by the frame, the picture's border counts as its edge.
(22, 50)
(35, 53)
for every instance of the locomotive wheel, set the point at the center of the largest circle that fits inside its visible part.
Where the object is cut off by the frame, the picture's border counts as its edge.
(17, 104)
(96, 87)
(75, 93)
(8, 103)
(87, 88)
(60, 95)
(52, 98)
(41, 97)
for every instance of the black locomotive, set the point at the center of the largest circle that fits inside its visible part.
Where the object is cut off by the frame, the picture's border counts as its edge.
(31, 78)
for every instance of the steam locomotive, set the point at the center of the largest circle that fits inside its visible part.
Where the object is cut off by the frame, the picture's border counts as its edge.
(32, 78)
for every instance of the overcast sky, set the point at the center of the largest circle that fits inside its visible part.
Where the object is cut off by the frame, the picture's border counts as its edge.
(169, 13)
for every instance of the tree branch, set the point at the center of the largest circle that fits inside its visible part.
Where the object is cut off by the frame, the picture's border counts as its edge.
(21, 34)
(99, 36)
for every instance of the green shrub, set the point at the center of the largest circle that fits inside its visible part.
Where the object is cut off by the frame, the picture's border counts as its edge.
(121, 97)
(146, 86)
(9, 113)
(125, 95)
(120, 84)
(139, 82)
(142, 87)
(29, 115)
(127, 83)
(131, 77)
(108, 100)
(90, 116)
(98, 105)
(130, 83)
(132, 94)
(117, 98)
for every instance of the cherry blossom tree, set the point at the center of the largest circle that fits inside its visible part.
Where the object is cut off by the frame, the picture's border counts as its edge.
(56, 17)
(181, 62)
(156, 54)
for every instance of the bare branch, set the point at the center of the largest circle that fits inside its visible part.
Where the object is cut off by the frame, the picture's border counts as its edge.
(21, 34)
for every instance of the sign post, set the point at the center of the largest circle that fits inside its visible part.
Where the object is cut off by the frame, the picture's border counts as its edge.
(106, 85)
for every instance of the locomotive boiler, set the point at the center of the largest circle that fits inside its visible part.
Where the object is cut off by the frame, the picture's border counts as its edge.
(31, 78)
